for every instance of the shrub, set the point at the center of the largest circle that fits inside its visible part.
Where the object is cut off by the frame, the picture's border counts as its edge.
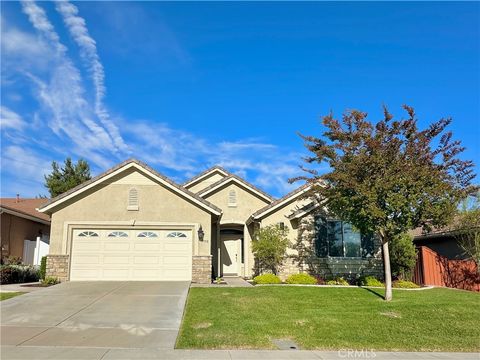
(12, 260)
(43, 267)
(13, 274)
(267, 279)
(269, 246)
(301, 279)
(369, 281)
(402, 256)
(49, 281)
(402, 284)
(338, 281)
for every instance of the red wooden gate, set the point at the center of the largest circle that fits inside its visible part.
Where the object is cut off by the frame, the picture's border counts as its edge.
(434, 269)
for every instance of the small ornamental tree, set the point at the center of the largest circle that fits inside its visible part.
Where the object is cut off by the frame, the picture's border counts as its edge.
(388, 177)
(67, 177)
(402, 256)
(269, 246)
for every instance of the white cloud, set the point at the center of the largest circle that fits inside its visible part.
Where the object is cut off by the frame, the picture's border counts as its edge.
(88, 50)
(10, 119)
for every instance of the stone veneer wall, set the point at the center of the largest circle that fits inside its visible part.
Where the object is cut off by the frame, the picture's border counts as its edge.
(202, 269)
(303, 259)
(57, 266)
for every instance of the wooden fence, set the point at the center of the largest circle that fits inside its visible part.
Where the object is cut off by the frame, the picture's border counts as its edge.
(434, 269)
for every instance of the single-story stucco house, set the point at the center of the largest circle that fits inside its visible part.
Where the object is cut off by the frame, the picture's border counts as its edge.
(132, 223)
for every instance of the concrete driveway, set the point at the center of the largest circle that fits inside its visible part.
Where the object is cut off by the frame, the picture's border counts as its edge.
(96, 314)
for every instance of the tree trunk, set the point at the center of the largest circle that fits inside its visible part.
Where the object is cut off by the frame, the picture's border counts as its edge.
(387, 271)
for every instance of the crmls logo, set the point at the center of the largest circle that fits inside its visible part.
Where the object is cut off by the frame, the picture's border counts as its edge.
(356, 354)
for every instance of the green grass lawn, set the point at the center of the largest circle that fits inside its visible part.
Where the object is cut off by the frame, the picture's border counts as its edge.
(8, 295)
(331, 318)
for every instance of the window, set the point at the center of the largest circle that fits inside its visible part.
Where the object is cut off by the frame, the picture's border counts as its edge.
(147, 234)
(337, 238)
(88, 234)
(232, 198)
(176, 234)
(132, 199)
(118, 234)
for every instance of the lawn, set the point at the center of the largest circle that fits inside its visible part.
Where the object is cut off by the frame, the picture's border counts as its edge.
(331, 318)
(8, 295)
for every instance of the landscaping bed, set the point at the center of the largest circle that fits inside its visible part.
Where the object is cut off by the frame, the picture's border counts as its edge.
(331, 318)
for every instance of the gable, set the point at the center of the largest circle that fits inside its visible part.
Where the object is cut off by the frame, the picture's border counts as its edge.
(131, 172)
(245, 202)
(205, 182)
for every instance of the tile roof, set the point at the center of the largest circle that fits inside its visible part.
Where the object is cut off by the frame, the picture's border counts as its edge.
(25, 206)
(143, 165)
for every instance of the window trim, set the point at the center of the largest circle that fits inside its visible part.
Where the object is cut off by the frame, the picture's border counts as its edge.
(147, 234)
(88, 233)
(118, 233)
(176, 234)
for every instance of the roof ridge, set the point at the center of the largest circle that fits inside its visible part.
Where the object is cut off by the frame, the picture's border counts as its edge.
(119, 166)
(198, 176)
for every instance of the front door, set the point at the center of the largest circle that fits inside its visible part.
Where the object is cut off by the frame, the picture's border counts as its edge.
(230, 255)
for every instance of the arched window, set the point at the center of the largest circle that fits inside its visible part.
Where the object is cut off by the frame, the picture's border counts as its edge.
(132, 199)
(176, 234)
(88, 234)
(232, 198)
(118, 234)
(148, 234)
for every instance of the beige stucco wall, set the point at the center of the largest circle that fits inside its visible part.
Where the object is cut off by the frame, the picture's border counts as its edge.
(206, 182)
(108, 203)
(247, 204)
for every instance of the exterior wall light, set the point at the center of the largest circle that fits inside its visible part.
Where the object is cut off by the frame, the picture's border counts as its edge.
(201, 233)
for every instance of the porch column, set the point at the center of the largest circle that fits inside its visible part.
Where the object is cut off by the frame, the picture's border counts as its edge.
(246, 241)
(219, 244)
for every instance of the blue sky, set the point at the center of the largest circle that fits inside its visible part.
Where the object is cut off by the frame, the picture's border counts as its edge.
(184, 86)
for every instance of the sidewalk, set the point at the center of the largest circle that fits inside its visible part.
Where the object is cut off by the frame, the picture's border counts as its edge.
(64, 353)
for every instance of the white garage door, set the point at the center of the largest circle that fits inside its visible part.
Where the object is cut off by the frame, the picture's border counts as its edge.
(131, 255)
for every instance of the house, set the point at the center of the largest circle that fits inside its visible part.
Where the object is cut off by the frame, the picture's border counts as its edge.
(132, 223)
(443, 241)
(23, 229)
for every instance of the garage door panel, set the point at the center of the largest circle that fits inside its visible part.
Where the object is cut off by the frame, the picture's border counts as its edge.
(116, 246)
(112, 259)
(147, 246)
(153, 256)
(82, 245)
(86, 260)
(146, 260)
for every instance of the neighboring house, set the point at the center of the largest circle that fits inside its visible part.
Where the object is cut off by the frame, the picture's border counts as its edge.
(132, 223)
(442, 241)
(21, 225)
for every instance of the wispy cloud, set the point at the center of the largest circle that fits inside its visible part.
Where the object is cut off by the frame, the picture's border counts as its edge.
(68, 122)
(63, 96)
(10, 119)
(88, 50)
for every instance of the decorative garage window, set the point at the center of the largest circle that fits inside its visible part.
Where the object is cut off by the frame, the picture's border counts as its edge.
(148, 234)
(176, 234)
(132, 199)
(88, 234)
(232, 198)
(118, 234)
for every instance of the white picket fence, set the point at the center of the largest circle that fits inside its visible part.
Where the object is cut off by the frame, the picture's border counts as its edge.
(34, 250)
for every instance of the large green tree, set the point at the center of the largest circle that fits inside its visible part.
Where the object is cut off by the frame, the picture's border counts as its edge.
(64, 178)
(388, 177)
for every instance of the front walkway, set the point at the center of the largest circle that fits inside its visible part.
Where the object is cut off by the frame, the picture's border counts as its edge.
(23, 287)
(236, 281)
(61, 353)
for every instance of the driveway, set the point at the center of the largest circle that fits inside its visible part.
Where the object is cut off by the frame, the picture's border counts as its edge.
(96, 314)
